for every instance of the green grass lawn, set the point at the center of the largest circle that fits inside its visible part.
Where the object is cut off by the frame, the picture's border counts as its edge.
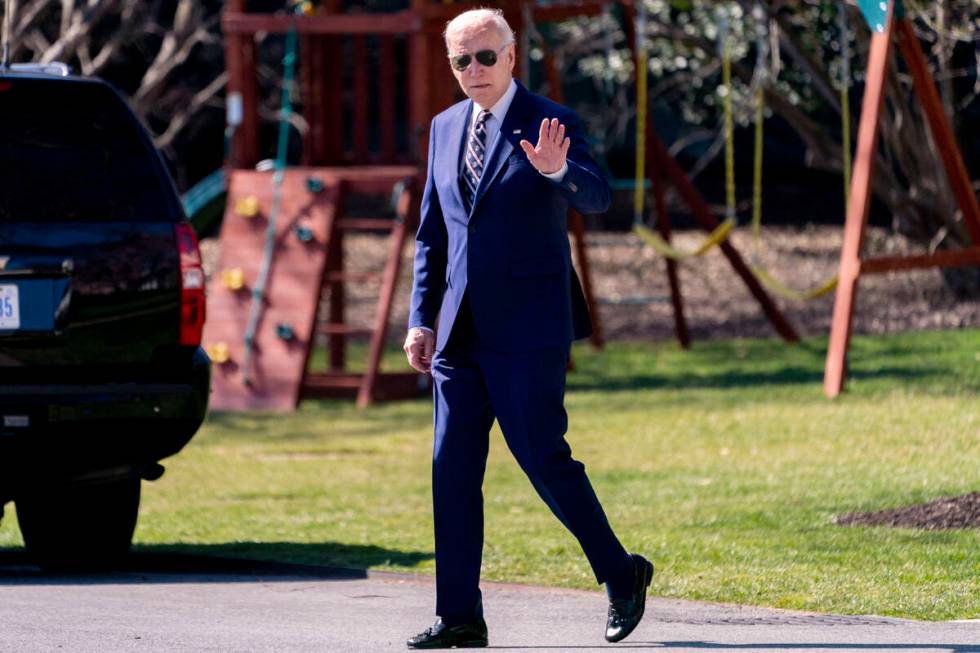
(725, 465)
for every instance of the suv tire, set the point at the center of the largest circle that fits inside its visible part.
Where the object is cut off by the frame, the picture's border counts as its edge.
(80, 528)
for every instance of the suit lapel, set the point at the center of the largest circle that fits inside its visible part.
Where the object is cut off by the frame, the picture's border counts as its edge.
(458, 126)
(505, 142)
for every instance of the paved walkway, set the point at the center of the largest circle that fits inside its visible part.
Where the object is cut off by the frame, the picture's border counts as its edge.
(180, 603)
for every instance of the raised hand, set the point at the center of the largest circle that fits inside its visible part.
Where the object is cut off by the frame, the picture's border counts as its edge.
(548, 156)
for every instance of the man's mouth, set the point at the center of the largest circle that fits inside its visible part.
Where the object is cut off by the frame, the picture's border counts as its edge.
(479, 85)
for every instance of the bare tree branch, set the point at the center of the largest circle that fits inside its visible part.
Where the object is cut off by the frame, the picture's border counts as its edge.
(82, 24)
(188, 32)
(181, 118)
(24, 21)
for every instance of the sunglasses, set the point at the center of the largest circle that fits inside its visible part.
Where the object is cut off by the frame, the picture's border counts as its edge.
(487, 58)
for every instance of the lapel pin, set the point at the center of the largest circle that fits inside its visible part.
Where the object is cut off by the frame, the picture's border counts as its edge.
(517, 131)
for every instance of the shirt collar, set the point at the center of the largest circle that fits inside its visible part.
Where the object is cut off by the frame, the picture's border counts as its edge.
(499, 110)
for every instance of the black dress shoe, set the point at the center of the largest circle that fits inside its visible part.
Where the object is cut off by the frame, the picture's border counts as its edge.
(625, 614)
(439, 635)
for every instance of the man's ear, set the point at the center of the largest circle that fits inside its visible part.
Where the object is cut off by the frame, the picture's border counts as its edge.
(511, 56)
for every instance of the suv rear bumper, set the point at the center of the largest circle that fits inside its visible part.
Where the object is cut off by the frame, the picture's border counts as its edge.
(71, 429)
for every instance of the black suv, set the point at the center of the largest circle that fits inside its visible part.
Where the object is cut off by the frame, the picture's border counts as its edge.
(101, 312)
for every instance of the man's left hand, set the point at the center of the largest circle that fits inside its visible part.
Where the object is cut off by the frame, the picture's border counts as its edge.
(548, 156)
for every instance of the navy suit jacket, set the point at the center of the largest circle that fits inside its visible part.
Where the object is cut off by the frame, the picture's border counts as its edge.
(510, 253)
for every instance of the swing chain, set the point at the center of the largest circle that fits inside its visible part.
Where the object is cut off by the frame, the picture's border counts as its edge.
(642, 101)
(725, 52)
(5, 48)
(760, 79)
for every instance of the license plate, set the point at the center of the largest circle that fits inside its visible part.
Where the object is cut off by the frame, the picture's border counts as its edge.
(16, 421)
(9, 308)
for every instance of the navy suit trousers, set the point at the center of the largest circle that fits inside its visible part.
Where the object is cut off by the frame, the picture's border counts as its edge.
(525, 393)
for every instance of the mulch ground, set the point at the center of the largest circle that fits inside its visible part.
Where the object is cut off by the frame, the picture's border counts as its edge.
(631, 285)
(633, 298)
(953, 512)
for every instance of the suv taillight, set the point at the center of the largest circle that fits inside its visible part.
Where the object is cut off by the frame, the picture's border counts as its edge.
(192, 301)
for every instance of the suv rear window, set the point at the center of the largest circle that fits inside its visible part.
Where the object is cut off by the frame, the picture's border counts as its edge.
(72, 151)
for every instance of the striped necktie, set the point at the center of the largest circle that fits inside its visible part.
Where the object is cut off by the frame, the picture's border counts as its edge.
(473, 158)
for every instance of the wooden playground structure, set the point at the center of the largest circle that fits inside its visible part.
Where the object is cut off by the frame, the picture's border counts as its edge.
(367, 124)
(370, 84)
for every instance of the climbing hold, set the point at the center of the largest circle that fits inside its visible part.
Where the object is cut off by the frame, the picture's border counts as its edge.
(233, 278)
(218, 352)
(314, 185)
(285, 332)
(247, 207)
(303, 234)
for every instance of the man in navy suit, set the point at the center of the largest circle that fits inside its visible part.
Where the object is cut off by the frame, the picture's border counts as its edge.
(492, 261)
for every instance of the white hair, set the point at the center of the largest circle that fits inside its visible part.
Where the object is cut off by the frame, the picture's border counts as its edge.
(478, 18)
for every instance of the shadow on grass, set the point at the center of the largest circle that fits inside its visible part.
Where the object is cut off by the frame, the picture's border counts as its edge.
(319, 416)
(730, 379)
(932, 362)
(927, 361)
(239, 562)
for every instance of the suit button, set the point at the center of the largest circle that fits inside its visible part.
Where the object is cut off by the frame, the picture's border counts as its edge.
(572, 187)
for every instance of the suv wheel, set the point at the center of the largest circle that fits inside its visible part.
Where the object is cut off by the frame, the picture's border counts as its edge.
(77, 528)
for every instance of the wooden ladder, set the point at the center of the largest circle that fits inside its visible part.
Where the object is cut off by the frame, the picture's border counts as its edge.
(372, 384)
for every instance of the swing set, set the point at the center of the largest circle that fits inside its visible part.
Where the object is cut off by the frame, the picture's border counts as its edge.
(760, 79)
(888, 22)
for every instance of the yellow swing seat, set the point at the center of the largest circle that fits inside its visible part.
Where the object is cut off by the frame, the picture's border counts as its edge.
(777, 287)
(662, 247)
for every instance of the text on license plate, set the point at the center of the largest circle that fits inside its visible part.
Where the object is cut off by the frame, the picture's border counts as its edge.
(9, 307)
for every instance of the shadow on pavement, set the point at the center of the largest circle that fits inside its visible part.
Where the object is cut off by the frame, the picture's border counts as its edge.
(218, 563)
(822, 646)
(773, 646)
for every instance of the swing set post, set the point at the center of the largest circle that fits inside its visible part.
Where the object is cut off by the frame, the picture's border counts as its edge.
(706, 218)
(858, 207)
(664, 227)
(851, 263)
(240, 55)
(576, 225)
(942, 132)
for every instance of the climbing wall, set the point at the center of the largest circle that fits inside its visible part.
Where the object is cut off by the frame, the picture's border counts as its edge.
(284, 333)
